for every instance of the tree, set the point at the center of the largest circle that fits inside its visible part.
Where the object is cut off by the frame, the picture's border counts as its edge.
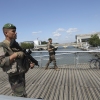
(27, 45)
(44, 42)
(94, 40)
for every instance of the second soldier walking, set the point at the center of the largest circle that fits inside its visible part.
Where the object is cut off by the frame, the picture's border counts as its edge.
(51, 49)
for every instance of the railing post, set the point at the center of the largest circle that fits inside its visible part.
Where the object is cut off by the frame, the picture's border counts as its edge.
(76, 59)
(41, 59)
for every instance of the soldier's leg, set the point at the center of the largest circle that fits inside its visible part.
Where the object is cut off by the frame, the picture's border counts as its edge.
(49, 61)
(17, 83)
(54, 62)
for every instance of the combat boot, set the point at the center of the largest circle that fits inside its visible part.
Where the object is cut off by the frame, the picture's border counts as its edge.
(46, 67)
(56, 68)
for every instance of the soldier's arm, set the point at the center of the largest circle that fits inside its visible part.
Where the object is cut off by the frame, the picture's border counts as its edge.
(7, 60)
(48, 47)
(12, 57)
(4, 60)
(15, 55)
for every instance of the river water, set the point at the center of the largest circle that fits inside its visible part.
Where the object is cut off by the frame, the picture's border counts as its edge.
(62, 57)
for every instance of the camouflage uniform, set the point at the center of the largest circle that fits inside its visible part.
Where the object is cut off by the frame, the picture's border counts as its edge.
(17, 83)
(15, 70)
(51, 56)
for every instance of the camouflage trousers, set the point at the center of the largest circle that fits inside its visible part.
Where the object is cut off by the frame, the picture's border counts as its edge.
(51, 59)
(17, 83)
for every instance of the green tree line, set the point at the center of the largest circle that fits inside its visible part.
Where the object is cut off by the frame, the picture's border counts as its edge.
(94, 40)
(31, 45)
(27, 45)
(44, 42)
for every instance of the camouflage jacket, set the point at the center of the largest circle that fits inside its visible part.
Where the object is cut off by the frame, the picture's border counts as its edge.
(50, 46)
(16, 66)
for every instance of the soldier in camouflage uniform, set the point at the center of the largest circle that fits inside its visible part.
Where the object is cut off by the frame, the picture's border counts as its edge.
(11, 62)
(51, 50)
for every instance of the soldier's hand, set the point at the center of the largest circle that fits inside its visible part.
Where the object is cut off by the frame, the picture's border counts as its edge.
(32, 65)
(13, 57)
(16, 55)
(20, 54)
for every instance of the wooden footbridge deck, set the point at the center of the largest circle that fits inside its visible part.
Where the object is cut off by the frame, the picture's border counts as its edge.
(70, 83)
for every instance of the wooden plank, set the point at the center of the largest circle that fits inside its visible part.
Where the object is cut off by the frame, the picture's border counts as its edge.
(70, 83)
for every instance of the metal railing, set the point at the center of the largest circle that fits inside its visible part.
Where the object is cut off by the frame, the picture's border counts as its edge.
(65, 57)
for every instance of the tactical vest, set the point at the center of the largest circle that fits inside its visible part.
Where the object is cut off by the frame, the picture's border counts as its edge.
(18, 65)
(52, 52)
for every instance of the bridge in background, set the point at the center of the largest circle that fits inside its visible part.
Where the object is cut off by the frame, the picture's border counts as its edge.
(64, 45)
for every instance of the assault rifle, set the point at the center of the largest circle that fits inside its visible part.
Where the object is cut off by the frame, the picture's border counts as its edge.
(54, 49)
(14, 44)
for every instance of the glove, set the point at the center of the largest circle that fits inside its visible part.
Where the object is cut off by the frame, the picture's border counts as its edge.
(20, 54)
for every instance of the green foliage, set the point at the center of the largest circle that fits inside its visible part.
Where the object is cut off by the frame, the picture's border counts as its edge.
(44, 42)
(94, 40)
(27, 45)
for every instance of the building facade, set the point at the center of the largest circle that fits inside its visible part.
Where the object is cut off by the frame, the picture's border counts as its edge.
(85, 37)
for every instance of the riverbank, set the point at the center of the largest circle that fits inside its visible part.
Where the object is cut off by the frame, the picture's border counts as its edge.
(82, 48)
(89, 49)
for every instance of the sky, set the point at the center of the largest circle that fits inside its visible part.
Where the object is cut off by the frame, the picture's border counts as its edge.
(60, 20)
